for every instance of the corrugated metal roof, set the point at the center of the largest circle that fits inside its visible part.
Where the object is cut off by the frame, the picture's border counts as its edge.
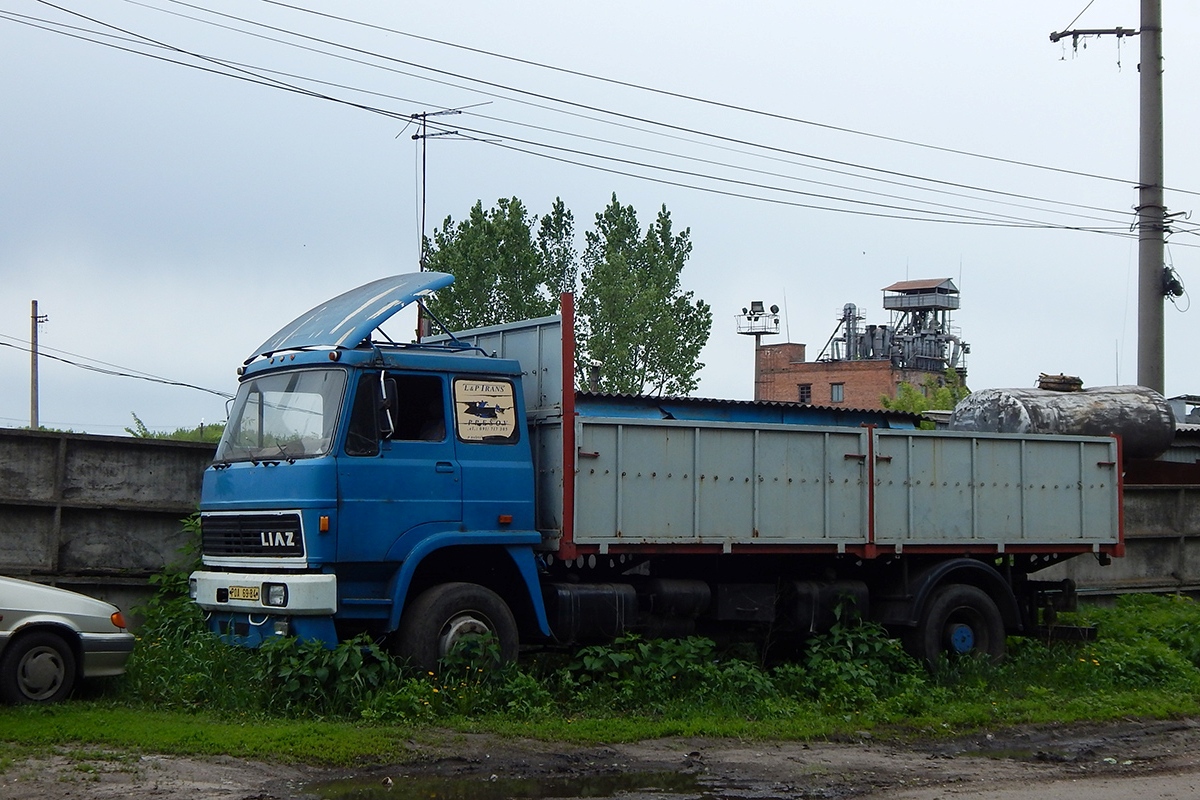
(928, 283)
(904, 416)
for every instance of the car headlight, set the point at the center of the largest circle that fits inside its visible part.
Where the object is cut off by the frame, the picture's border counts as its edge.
(275, 594)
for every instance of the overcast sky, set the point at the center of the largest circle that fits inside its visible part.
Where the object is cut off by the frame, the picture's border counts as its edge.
(168, 218)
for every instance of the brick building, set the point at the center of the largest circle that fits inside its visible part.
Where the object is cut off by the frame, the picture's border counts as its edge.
(862, 364)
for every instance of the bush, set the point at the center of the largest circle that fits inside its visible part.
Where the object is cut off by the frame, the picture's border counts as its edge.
(308, 679)
(852, 665)
(852, 674)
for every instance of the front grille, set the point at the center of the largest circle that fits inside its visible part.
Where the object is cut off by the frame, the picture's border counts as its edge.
(261, 535)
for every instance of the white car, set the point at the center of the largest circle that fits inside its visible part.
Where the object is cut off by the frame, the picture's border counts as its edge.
(50, 638)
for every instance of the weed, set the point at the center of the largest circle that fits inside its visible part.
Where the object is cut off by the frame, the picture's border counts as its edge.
(851, 666)
(306, 678)
(852, 676)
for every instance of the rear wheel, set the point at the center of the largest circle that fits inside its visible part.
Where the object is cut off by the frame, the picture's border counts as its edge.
(450, 616)
(38, 667)
(959, 620)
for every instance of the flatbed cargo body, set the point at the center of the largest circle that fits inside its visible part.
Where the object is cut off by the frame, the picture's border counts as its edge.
(654, 474)
(749, 487)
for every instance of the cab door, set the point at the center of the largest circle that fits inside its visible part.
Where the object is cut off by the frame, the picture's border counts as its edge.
(398, 474)
(494, 453)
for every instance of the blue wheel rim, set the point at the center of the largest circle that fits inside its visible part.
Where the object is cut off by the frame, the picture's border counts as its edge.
(962, 638)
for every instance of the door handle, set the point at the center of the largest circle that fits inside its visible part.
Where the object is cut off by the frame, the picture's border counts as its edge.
(444, 466)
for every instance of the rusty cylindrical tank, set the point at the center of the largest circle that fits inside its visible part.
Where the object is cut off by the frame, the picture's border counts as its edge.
(1140, 416)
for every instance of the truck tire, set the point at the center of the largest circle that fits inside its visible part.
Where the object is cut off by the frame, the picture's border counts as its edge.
(958, 620)
(449, 614)
(38, 667)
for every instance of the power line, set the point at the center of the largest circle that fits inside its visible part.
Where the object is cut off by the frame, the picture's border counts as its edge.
(34, 23)
(998, 217)
(250, 74)
(118, 372)
(596, 109)
(778, 201)
(691, 98)
(1077, 16)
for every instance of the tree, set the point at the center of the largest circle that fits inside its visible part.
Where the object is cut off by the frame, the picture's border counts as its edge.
(936, 392)
(500, 273)
(634, 320)
(633, 317)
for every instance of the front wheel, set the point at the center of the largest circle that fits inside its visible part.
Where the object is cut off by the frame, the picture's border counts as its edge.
(38, 667)
(959, 620)
(451, 615)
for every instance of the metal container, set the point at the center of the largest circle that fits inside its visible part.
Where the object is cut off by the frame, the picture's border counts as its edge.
(1140, 416)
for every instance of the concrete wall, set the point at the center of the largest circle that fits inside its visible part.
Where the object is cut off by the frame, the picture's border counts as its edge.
(1162, 547)
(97, 514)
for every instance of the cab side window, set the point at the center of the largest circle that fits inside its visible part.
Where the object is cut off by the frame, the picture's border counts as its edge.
(420, 408)
(396, 407)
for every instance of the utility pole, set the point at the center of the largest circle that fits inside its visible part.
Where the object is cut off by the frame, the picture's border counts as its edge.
(1152, 213)
(35, 319)
(423, 136)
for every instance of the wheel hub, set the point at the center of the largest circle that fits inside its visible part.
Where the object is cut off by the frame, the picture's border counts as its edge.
(463, 627)
(962, 638)
(41, 673)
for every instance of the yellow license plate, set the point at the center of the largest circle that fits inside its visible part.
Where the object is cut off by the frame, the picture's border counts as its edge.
(243, 593)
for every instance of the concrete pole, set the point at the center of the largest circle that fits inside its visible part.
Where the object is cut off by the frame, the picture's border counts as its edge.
(33, 366)
(1151, 211)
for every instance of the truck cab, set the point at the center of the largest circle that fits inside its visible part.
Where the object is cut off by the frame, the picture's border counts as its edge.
(352, 475)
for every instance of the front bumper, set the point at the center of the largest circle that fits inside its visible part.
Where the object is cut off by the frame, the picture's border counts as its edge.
(257, 593)
(105, 654)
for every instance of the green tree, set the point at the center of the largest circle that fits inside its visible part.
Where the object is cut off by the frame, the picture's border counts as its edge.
(634, 320)
(936, 392)
(501, 273)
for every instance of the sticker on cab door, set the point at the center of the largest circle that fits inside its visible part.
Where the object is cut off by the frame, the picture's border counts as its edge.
(484, 410)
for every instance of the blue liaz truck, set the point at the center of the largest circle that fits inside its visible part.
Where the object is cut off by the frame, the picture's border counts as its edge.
(430, 492)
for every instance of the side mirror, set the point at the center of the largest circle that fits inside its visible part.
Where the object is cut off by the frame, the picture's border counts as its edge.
(387, 405)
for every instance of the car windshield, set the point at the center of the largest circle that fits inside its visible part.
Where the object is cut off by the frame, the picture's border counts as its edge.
(285, 415)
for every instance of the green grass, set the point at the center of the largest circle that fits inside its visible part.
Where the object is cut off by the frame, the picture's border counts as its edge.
(104, 723)
(187, 694)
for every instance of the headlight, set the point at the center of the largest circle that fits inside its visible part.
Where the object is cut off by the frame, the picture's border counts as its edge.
(275, 594)
(193, 588)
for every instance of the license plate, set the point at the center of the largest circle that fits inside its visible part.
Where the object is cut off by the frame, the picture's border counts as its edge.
(243, 593)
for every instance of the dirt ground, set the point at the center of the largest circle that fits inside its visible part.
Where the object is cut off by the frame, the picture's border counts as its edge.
(1150, 761)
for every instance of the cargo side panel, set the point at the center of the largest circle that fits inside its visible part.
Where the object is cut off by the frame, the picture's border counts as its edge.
(812, 485)
(674, 482)
(948, 488)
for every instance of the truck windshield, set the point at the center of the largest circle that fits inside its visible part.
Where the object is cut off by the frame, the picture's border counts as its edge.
(284, 416)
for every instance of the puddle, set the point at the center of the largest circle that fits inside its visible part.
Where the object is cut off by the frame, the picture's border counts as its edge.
(642, 785)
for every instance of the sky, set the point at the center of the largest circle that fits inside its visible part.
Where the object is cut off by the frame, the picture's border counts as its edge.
(168, 217)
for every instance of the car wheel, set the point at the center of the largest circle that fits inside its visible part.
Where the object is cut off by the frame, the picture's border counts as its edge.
(37, 667)
(959, 621)
(450, 615)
